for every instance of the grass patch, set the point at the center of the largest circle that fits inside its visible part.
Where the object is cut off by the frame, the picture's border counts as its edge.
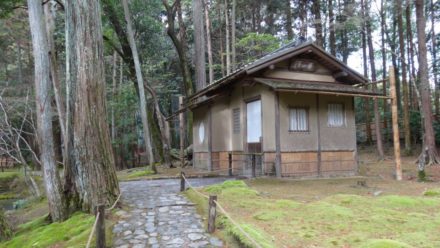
(336, 220)
(39, 232)
(384, 243)
(432, 192)
(6, 196)
(9, 175)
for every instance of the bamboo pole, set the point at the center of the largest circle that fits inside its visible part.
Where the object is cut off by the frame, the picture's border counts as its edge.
(395, 120)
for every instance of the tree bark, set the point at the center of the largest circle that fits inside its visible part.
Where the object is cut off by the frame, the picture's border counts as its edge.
(233, 38)
(208, 42)
(221, 52)
(50, 13)
(199, 45)
(425, 93)
(384, 60)
(112, 114)
(289, 29)
(365, 65)
(94, 167)
(227, 41)
(316, 9)
(332, 38)
(57, 209)
(434, 61)
(378, 129)
(140, 82)
(405, 91)
(179, 42)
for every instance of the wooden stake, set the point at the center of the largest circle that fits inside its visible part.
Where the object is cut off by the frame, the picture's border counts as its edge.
(182, 181)
(100, 227)
(395, 120)
(212, 213)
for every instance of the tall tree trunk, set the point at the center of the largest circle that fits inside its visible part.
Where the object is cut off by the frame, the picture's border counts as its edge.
(434, 61)
(208, 42)
(140, 81)
(57, 209)
(95, 176)
(425, 93)
(199, 45)
(221, 51)
(378, 129)
(332, 36)
(365, 64)
(289, 29)
(303, 18)
(179, 41)
(112, 114)
(316, 9)
(411, 68)
(233, 39)
(228, 49)
(50, 13)
(405, 92)
(384, 60)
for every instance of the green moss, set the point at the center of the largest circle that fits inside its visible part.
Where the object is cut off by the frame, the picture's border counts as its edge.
(40, 233)
(268, 215)
(142, 173)
(218, 188)
(432, 192)
(384, 243)
(8, 175)
(396, 201)
(261, 237)
(6, 196)
(286, 204)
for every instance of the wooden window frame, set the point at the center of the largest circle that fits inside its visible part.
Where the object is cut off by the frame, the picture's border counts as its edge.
(307, 109)
(344, 115)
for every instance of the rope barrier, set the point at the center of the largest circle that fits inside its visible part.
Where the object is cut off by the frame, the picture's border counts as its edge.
(93, 231)
(200, 193)
(97, 218)
(237, 225)
(225, 213)
(114, 204)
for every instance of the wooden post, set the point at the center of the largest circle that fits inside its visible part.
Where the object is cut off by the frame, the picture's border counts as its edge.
(230, 164)
(395, 119)
(253, 166)
(182, 133)
(100, 226)
(182, 181)
(318, 131)
(212, 213)
(277, 136)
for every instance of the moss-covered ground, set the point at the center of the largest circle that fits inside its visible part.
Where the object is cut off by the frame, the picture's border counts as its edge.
(344, 216)
(73, 232)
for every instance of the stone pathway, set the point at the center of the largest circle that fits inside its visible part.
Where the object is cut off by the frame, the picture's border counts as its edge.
(160, 217)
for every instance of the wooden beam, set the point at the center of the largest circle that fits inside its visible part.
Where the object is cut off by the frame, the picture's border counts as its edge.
(395, 119)
(210, 139)
(331, 93)
(277, 136)
(318, 120)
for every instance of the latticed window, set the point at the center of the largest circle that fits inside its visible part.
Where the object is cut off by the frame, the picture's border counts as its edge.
(236, 120)
(299, 119)
(336, 115)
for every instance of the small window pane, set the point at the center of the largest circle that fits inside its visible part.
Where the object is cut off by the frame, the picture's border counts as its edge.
(201, 132)
(298, 119)
(336, 116)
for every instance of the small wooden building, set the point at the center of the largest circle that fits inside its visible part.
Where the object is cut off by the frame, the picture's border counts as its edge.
(294, 106)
